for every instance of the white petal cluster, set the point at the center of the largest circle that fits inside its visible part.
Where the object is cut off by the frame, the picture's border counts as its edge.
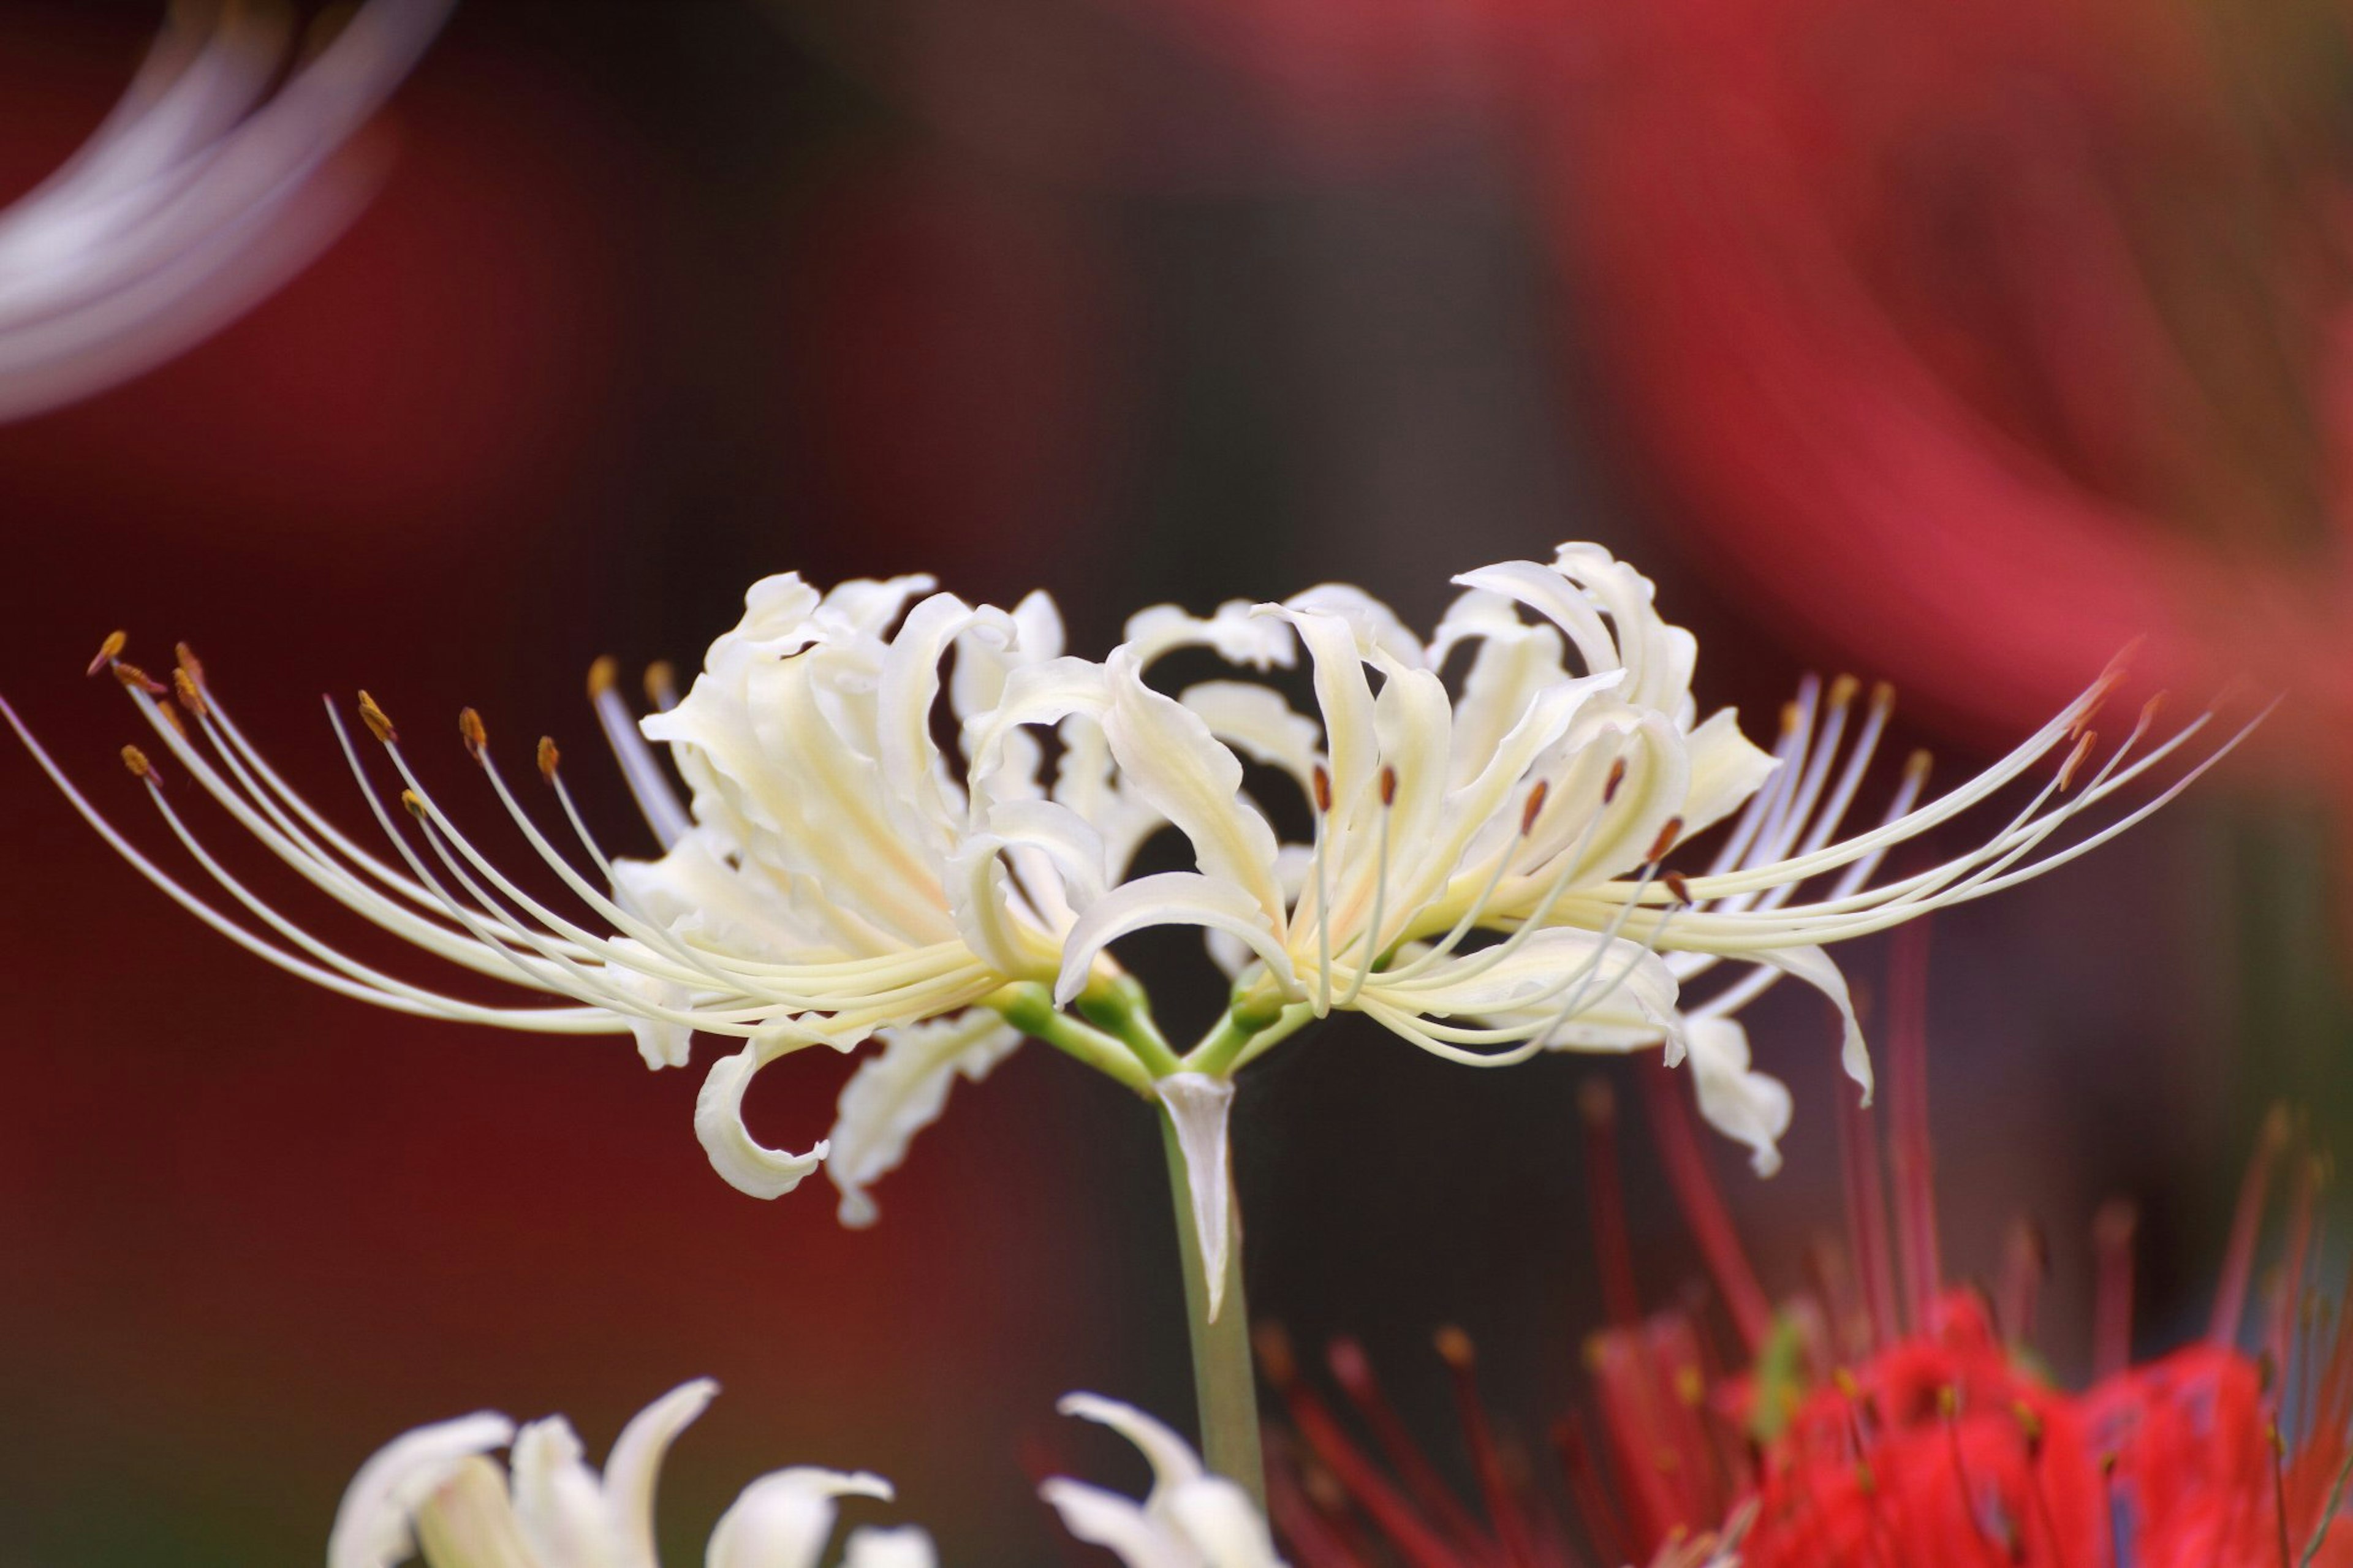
(438, 1494)
(435, 1493)
(910, 819)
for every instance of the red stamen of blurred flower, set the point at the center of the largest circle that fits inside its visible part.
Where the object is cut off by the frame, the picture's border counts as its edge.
(2238, 1258)
(1352, 1370)
(2026, 1259)
(2112, 1239)
(1703, 1205)
(1603, 1529)
(1454, 1348)
(1910, 1158)
(1866, 1217)
(1400, 1525)
(1606, 1199)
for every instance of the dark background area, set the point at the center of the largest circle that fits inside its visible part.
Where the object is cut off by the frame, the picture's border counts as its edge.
(661, 298)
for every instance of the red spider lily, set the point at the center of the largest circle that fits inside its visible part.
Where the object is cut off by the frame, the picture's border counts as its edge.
(1981, 336)
(1879, 1420)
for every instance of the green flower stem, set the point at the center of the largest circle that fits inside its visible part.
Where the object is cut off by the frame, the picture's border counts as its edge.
(1029, 1007)
(1225, 1389)
(1122, 1007)
(1248, 1028)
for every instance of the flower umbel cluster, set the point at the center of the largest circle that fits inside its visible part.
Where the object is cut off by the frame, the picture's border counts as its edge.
(436, 1494)
(911, 819)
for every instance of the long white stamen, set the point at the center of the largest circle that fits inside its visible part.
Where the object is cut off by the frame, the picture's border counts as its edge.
(639, 767)
(569, 1021)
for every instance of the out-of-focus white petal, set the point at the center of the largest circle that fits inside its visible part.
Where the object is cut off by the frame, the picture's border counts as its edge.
(901, 1090)
(635, 1464)
(1190, 1520)
(784, 1519)
(1234, 630)
(372, 1523)
(469, 1522)
(1257, 720)
(1218, 1519)
(1745, 1105)
(1171, 1457)
(558, 1501)
(1199, 1107)
(1170, 898)
(1121, 1526)
(901, 1546)
(748, 1165)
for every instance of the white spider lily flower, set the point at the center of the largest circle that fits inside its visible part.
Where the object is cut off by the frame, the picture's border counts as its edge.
(223, 170)
(832, 879)
(435, 1493)
(1487, 871)
(1190, 1519)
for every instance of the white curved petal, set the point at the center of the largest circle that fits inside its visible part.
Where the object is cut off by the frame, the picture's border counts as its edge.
(372, 1528)
(899, 1092)
(1169, 897)
(981, 901)
(747, 1164)
(1172, 761)
(784, 1519)
(1745, 1105)
(558, 1501)
(1035, 694)
(1199, 1107)
(1072, 844)
(1726, 768)
(1343, 695)
(635, 1464)
(1376, 624)
(1234, 630)
(903, 1546)
(867, 606)
(1547, 591)
(1814, 966)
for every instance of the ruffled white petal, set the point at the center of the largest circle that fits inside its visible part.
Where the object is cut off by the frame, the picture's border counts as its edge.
(899, 1092)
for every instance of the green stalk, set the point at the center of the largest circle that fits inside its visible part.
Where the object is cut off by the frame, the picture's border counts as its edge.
(1225, 1388)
